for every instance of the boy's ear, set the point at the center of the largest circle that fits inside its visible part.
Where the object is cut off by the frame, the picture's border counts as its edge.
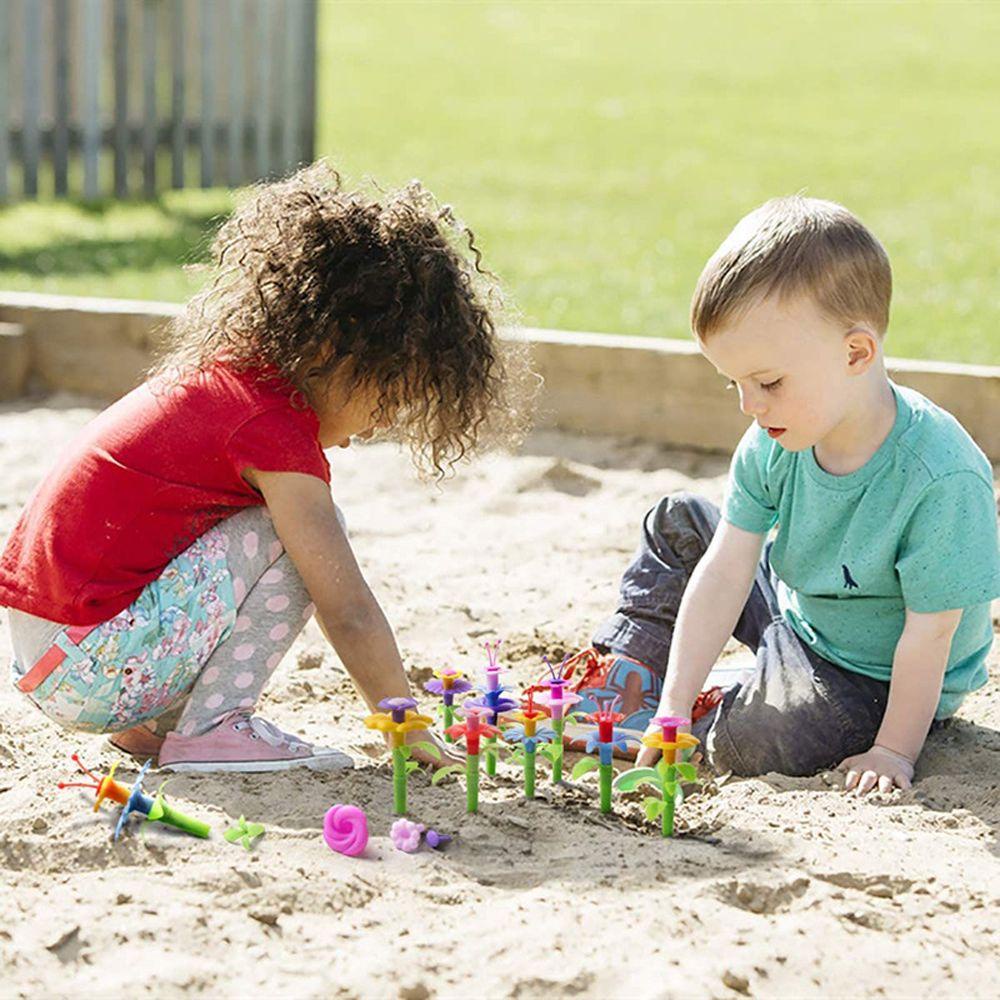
(861, 345)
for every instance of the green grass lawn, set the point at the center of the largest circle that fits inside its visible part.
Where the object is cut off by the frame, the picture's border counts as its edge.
(602, 151)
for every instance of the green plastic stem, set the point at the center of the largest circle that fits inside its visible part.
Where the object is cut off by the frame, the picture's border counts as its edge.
(398, 781)
(193, 826)
(557, 762)
(491, 758)
(529, 775)
(667, 816)
(449, 721)
(607, 773)
(472, 783)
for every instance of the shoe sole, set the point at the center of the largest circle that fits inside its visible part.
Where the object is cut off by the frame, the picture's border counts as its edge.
(329, 763)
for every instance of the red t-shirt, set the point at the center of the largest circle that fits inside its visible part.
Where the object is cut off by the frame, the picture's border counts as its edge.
(142, 481)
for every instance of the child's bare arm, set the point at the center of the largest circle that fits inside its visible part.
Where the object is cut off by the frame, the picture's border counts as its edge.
(918, 666)
(305, 520)
(712, 604)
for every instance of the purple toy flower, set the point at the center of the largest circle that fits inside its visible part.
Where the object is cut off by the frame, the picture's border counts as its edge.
(435, 839)
(448, 682)
(405, 835)
(493, 702)
(398, 707)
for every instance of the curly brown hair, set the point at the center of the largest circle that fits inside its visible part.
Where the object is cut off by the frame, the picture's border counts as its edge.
(309, 275)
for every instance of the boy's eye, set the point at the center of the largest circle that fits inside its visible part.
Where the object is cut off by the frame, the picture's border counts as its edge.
(770, 386)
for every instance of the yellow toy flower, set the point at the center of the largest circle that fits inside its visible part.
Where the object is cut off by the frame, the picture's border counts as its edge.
(400, 719)
(682, 741)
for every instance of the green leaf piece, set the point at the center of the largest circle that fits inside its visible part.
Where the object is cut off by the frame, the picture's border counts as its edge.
(492, 750)
(688, 772)
(244, 832)
(583, 766)
(412, 765)
(631, 780)
(429, 748)
(654, 807)
(403, 751)
(444, 772)
(670, 788)
(550, 752)
(517, 757)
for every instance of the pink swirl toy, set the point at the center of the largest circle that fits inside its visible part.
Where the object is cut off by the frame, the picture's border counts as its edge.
(345, 829)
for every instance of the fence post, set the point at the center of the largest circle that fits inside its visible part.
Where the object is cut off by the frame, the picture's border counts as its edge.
(237, 99)
(178, 129)
(150, 119)
(119, 48)
(207, 93)
(60, 132)
(32, 102)
(92, 139)
(4, 104)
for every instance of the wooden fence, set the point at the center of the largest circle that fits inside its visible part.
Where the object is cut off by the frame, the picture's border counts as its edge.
(127, 97)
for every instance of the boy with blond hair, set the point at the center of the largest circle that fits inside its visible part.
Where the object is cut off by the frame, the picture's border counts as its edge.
(869, 611)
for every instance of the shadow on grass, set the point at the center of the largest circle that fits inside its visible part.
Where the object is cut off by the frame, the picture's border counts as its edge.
(187, 243)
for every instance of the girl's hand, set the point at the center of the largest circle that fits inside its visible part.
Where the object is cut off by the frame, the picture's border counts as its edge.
(448, 755)
(647, 756)
(878, 766)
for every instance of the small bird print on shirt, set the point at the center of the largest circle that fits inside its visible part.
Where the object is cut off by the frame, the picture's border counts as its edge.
(849, 582)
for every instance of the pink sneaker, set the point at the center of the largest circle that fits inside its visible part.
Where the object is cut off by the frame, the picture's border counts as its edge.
(242, 742)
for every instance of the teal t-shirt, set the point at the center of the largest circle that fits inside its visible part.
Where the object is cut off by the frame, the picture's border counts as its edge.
(915, 527)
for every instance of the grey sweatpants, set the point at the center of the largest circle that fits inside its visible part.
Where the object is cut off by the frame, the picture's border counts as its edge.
(798, 713)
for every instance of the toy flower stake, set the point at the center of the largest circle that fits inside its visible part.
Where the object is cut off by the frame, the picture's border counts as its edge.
(134, 799)
(559, 701)
(530, 736)
(664, 777)
(448, 682)
(473, 729)
(494, 701)
(607, 740)
(397, 718)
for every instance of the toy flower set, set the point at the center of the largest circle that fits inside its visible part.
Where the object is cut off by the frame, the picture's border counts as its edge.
(491, 721)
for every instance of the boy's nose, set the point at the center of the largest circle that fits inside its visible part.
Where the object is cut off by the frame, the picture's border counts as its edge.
(751, 404)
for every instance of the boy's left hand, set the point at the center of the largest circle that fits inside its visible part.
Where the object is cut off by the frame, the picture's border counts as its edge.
(878, 766)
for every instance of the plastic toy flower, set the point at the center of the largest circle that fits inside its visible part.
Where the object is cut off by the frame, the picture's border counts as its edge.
(405, 835)
(134, 799)
(448, 682)
(494, 700)
(530, 736)
(559, 701)
(399, 717)
(606, 741)
(667, 774)
(473, 730)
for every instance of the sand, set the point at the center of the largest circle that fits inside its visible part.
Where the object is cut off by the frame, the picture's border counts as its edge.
(773, 887)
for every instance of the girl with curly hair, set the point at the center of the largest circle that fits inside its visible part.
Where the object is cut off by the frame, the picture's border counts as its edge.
(165, 565)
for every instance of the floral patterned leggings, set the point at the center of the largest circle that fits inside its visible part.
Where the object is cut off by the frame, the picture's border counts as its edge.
(199, 642)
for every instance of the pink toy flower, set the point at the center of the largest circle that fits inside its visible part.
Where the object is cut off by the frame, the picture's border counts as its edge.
(405, 835)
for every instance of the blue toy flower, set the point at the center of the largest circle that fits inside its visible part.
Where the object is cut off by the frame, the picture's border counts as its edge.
(606, 748)
(531, 743)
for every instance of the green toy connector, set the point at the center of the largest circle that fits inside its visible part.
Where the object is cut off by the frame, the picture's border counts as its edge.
(244, 833)
(399, 717)
(668, 774)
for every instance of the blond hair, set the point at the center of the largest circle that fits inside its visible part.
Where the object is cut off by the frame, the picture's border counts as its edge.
(792, 246)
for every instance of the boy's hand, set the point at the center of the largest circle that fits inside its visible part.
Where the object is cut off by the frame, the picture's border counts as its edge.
(878, 766)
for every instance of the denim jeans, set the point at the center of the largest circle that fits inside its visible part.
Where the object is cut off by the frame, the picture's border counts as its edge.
(798, 713)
